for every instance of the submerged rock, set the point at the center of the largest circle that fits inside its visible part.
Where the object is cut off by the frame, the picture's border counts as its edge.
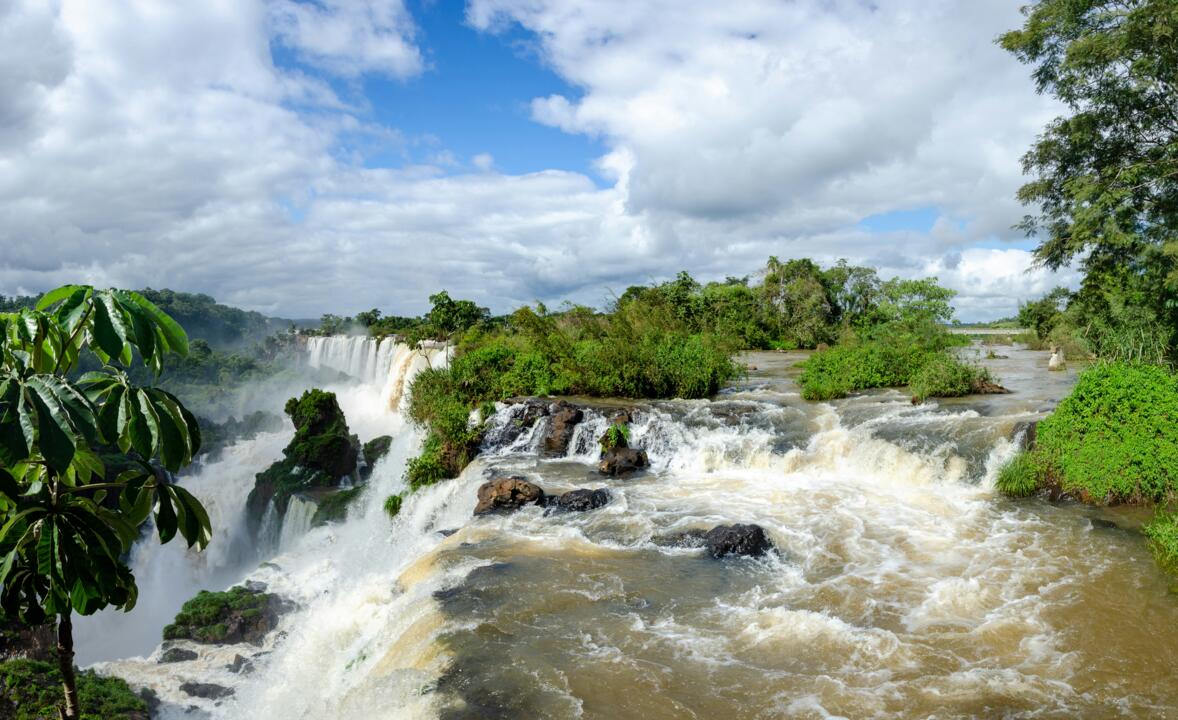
(622, 461)
(506, 494)
(580, 500)
(684, 539)
(739, 539)
(986, 387)
(208, 691)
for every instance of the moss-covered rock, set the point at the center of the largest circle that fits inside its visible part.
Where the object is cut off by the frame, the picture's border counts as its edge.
(321, 452)
(236, 615)
(374, 450)
(333, 506)
(31, 690)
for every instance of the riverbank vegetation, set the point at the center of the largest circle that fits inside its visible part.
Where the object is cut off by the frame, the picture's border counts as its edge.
(1105, 191)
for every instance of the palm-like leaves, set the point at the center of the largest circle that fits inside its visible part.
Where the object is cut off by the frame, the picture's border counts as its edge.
(64, 525)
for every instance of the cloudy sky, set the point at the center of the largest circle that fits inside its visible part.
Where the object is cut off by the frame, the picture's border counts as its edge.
(299, 156)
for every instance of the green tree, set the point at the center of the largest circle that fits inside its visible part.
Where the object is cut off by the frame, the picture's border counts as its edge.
(799, 307)
(1106, 174)
(68, 522)
(1044, 314)
(449, 316)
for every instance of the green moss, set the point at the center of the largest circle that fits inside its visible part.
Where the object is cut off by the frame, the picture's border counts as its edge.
(205, 617)
(1162, 532)
(322, 440)
(837, 372)
(31, 690)
(334, 507)
(392, 506)
(377, 448)
(1021, 477)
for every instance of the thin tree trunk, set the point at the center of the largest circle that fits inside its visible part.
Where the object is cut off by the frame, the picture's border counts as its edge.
(65, 662)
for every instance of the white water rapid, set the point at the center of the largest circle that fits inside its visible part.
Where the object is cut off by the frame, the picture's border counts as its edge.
(901, 586)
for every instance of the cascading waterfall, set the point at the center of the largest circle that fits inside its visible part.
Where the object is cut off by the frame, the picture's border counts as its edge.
(901, 585)
(296, 522)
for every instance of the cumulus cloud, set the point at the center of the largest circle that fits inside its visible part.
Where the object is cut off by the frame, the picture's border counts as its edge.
(132, 153)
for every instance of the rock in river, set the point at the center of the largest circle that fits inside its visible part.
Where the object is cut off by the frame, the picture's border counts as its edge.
(580, 500)
(746, 540)
(507, 494)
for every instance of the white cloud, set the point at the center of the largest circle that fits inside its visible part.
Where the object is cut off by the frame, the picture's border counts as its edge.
(149, 143)
(350, 37)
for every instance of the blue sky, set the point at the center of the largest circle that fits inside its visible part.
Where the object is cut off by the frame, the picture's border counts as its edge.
(473, 97)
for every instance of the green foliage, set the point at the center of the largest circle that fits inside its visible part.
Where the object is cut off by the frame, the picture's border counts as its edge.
(1105, 175)
(1021, 477)
(203, 317)
(837, 372)
(1162, 533)
(322, 440)
(1114, 439)
(68, 521)
(943, 375)
(31, 690)
(392, 506)
(205, 617)
(1043, 315)
(617, 436)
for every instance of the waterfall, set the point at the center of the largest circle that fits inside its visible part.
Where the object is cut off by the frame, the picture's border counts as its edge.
(377, 362)
(296, 522)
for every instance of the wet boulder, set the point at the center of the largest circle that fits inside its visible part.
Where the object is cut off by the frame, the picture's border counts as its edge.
(177, 654)
(374, 450)
(208, 691)
(507, 494)
(1025, 434)
(581, 500)
(622, 461)
(563, 419)
(739, 539)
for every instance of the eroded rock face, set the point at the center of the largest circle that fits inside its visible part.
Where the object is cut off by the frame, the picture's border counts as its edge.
(507, 494)
(23, 642)
(563, 419)
(580, 500)
(622, 461)
(739, 539)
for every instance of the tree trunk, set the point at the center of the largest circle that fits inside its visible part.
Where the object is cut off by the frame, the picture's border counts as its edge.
(65, 662)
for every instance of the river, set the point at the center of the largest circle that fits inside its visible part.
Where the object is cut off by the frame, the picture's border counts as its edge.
(902, 585)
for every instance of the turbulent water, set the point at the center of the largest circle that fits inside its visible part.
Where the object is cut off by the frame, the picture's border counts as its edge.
(902, 585)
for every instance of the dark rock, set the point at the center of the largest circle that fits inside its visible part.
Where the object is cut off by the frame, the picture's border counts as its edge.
(622, 461)
(255, 586)
(579, 500)
(1104, 524)
(562, 420)
(507, 494)
(525, 413)
(209, 691)
(622, 417)
(1025, 433)
(27, 642)
(739, 539)
(153, 701)
(985, 387)
(240, 665)
(447, 532)
(176, 654)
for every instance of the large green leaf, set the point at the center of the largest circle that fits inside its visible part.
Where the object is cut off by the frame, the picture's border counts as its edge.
(105, 332)
(177, 340)
(55, 438)
(57, 295)
(165, 517)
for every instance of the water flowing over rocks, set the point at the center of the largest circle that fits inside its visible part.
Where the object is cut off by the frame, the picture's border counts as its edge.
(563, 419)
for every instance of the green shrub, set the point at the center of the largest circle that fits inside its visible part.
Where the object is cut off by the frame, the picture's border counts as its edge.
(1162, 532)
(1021, 477)
(392, 506)
(1115, 438)
(204, 617)
(31, 690)
(836, 372)
(617, 436)
(943, 375)
(429, 467)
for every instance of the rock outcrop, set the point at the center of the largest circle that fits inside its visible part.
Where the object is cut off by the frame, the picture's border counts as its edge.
(739, 539)
(208, 691)
(622, 461)
(27, 642)
(562, 421)
(234, 616)
(507, 494)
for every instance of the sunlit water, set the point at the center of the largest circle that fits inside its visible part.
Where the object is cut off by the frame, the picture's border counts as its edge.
(902, 586)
